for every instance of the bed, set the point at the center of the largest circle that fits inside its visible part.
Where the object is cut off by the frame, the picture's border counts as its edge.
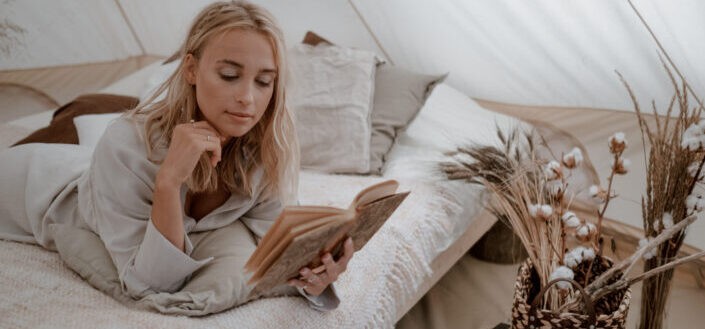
(438, 222)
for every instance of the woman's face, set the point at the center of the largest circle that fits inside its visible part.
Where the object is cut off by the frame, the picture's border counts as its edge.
(234, 79)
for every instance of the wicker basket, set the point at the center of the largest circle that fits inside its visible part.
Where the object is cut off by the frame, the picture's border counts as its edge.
(608, 312)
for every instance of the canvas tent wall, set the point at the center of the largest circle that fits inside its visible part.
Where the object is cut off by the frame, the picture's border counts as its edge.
(543, 52)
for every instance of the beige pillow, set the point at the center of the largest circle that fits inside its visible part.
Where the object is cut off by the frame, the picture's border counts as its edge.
(399, 95)
(216, 287)
(331, 94)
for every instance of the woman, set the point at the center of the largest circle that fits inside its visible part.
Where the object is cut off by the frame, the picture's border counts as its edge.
(219, 147)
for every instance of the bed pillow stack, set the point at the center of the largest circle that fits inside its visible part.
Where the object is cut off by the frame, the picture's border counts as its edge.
(330, 95)
(398, 96)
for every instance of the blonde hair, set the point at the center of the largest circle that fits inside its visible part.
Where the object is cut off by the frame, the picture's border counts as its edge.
(271, 143)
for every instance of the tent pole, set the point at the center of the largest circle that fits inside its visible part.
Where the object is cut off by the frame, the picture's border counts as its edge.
(132, 29)
(369, 30)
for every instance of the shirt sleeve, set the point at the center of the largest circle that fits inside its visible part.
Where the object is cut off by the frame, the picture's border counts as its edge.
(119, 188)
(327, 301)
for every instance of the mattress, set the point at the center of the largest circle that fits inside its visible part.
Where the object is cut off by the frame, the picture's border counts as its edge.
(382, 282)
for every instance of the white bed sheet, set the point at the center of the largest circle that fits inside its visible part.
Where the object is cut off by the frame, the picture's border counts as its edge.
(38, 291)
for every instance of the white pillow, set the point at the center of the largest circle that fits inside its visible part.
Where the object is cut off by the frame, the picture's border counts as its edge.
(90, 127)
(331, 93)
(447, 120)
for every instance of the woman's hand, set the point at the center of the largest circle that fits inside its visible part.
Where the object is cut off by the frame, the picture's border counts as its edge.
(188, 142)
(314, 284)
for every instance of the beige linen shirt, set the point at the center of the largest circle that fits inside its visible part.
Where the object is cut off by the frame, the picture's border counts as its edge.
(115, 200)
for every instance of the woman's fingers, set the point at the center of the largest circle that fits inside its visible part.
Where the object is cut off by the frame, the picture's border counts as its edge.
(311, 283)
(204, 126)
(315, 284)
(348, 251)
(332, 268)
(212, 145)
(203, 130)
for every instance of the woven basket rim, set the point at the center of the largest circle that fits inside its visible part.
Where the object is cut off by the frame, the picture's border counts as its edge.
(625, 300)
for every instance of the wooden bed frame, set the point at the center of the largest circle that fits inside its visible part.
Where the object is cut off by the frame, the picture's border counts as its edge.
(442, 264)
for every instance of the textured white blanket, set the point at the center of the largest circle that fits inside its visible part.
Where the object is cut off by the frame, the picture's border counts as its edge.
(38, 291)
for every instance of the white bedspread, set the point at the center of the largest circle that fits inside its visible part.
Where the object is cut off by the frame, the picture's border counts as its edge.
(38, 291)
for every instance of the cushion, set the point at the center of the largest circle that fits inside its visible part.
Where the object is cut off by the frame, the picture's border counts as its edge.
(90, 127)
(398, 97)
(62, 129)
(217, 286)
(330, 95)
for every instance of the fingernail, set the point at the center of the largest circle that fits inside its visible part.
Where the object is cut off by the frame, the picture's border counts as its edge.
(328, 257)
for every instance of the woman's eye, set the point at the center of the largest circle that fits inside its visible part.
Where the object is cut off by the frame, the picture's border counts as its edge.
(264, 83)
(228, 77)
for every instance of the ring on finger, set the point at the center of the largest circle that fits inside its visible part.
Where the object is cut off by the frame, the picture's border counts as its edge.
(193, 123)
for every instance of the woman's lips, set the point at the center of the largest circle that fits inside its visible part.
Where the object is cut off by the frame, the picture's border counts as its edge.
(239, 117)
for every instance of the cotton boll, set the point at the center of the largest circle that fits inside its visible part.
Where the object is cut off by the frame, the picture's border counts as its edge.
(657, 225)
(546, 211)
(598, 194)
(691, 143)
(621, 166)
(700, 205)
(553, 170)
(582, 232)
(573, 158)
(694, 202)
(617, 143)
(533, 210)
(667, 220)
(555, 189)
(588, 254)
(585, 231)
(562, 272)
(570, 220)
(570, 260)
(591, 228)
(649, 254)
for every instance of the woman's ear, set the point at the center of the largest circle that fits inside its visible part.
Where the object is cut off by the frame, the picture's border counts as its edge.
(190, 68)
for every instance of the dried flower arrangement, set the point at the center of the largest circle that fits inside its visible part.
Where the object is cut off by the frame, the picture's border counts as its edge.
(530, 193)
(674, 171)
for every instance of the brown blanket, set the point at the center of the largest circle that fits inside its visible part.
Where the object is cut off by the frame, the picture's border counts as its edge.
(62, 130)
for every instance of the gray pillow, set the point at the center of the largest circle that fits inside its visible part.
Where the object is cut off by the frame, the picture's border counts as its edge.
(216, 287)
(399, 95)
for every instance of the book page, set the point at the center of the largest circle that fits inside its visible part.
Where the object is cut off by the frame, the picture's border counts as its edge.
(372, 216)
(289, 218)
(374, 192)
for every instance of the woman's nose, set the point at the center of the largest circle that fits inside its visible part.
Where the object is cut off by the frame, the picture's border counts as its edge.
(243, 94)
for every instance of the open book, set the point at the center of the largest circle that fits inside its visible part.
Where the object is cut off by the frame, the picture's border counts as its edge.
(302, 234)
